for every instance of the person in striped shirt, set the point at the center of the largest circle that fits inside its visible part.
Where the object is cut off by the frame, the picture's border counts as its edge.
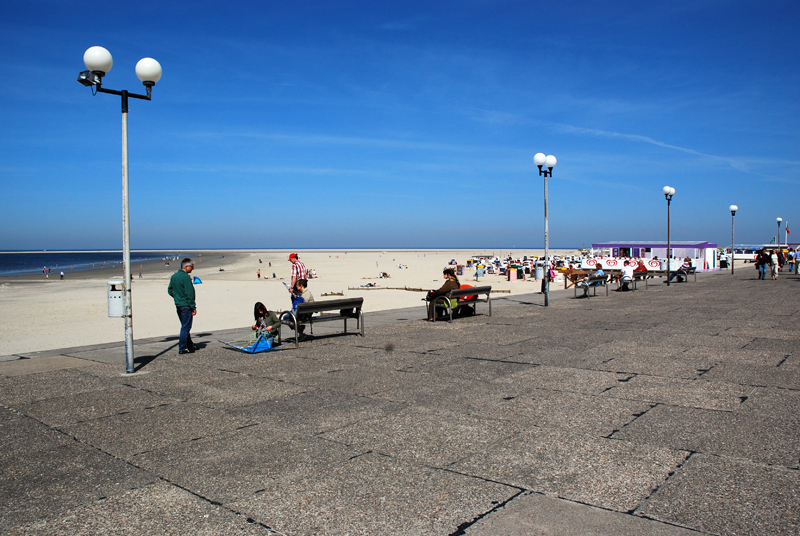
(298, 272)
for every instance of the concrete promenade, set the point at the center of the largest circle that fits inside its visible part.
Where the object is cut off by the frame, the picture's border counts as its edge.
(666, 411)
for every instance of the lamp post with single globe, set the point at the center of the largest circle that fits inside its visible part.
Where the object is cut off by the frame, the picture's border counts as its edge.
(778, 238)
(98, 61)
(733, 208)
(549, 162)
(668, 193)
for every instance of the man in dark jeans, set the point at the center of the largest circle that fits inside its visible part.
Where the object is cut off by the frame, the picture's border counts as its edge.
(182, 291)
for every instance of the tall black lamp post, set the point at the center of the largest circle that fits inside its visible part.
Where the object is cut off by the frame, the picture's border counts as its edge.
(98, 61)
(540, 160)
(668, 193)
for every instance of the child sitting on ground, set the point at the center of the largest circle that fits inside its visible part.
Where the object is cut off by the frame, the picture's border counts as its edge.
(267, 322)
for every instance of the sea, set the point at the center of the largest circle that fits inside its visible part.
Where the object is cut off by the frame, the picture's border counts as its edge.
(27, 262)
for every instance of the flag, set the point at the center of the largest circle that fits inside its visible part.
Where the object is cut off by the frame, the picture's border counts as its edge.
(788, 232)
(772, 241)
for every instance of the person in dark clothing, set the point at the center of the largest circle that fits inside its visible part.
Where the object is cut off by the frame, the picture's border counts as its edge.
(451, 283)
(763, 259)
(266, 321)
(181, 289)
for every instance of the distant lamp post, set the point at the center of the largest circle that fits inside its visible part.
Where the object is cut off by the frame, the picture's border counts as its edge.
(668, 193)
(549, 162)
(778, 238)
(98, 61)
(733, 208)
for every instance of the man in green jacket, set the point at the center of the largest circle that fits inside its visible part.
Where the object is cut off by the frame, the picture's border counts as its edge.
(182, 291)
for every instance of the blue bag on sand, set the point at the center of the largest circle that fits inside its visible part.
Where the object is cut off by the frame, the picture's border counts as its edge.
(197, 281)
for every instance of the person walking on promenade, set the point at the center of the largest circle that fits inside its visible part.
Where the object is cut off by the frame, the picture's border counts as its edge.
(298, 272)
(774, 264)
(258, 273)
(762, 260)
(182, 291)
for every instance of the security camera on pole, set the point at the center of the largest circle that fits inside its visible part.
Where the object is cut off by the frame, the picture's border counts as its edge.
(98, 61)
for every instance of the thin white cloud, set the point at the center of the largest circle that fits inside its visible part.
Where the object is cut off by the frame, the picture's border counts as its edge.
(743, 163)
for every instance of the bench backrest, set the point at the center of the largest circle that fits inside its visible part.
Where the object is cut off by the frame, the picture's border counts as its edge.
(472, 291)
(329, 305)
(597, 278)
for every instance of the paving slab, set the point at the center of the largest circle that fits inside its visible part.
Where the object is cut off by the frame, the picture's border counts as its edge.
(722, 433)
(756, 375)
(427, 436)
(242, 463)
(534, 513)
(154, 428)
(606, 473)
(35, 484)
(317, 411)
(80, 407)
(374, 494)
(679, 392)
(116, 355)
(600, 416)
(24, 367)
(573, 380)
(43, 385)
(153, 509)
(724, 496)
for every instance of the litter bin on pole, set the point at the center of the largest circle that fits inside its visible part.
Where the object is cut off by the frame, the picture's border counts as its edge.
(539, 270)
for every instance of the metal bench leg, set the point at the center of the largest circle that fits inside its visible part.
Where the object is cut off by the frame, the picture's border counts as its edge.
(489, 301)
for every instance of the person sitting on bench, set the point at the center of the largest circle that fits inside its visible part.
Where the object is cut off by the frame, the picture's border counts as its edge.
(683, 270)
(627, 277)
(585, 285)
(451, 283)
(301, 295)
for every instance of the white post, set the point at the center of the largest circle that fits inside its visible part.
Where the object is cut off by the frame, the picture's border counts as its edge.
(126, 247)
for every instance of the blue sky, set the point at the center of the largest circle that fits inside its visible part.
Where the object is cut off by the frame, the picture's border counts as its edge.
(400, 124)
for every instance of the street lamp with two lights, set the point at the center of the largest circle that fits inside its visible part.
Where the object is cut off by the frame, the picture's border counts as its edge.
(540, 160)
(98, 61)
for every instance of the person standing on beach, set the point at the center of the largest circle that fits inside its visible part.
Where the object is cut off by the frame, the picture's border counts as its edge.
(182, 291)
(298, 272)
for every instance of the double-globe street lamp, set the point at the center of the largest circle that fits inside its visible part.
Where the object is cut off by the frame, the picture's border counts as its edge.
(733, 209)
(98, 61)
(778, 238)
(668, 193)
(540, 160)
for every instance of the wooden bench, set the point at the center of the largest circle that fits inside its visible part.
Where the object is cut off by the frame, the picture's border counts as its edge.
(593, 281)
(345, 308)
(444, 302)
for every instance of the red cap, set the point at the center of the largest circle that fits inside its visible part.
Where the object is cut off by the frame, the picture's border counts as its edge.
(292, 256)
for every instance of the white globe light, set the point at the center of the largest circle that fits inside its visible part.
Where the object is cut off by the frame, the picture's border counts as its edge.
(98, 59)
(780, 220)
(550, 161)
(734, 208)
(667, 190)
(148, 70)
(672, 191)
(539, 159)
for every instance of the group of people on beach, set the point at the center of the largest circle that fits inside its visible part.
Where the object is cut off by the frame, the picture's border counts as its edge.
(181, 288)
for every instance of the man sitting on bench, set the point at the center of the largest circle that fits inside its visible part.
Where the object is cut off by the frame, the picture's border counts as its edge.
(301, 295)
(583, 283)
(627, 277)
(683, 270)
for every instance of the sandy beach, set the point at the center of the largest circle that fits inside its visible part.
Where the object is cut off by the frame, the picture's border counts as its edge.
(42, 314)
